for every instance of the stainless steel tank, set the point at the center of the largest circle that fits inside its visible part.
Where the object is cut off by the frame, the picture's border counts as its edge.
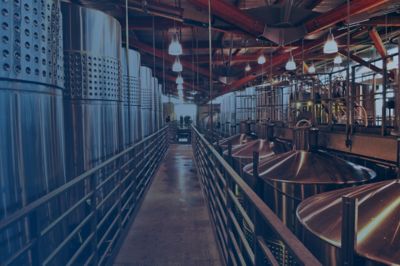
(131, 97)
(32, 156)
(378, 234)
(154, 108)
(160, 107)
(92, 52)
(145, 89)
(92, 103)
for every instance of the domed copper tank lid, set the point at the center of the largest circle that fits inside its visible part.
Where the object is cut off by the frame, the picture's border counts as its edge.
(245, 151)
(235, 140)
(310, 167)
(378, 233)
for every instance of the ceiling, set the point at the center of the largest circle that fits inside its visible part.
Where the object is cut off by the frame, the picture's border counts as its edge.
(241, 30)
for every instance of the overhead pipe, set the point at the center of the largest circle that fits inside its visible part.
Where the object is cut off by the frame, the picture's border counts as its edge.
(232, 14)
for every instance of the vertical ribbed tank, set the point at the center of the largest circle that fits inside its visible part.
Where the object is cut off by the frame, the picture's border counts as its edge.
(160, 107)
(92, 98)
(145, 99)
(155, 104)
(131, 97)
(31, 115)
(92, 106)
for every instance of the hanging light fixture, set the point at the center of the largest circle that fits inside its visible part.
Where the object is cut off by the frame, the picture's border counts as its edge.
(177, 66)
(311, 69)
(261, 59)
(290, 64)
(337, 60)
(330, 46)
(175, 48)
(247, 68)
(179, 79)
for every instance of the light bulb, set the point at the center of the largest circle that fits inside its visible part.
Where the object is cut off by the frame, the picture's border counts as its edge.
(330, 46)
(247, 68)
(175, 48)
(311, 69)
(290, 64)
(179, 79)
(338, 60)
(261, 59)
(177, 66)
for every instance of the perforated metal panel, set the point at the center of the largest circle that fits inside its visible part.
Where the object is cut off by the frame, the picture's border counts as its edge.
(131, 95)
(146, 87)
(92, 77)
(31, 47)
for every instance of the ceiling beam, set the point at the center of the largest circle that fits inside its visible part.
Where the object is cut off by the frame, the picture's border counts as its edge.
(338, 14)
(380, 47)
(233, 15)
(361, 61)
(383, 21)
(282, 59)
(243, 21)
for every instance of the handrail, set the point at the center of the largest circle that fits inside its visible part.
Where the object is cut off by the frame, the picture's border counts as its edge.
(128, 165)
(299, 251)
(24, 211)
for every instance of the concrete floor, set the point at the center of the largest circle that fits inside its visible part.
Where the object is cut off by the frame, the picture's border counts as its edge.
(173, 226)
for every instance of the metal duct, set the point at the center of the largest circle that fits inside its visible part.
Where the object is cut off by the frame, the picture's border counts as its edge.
(131, 97)
(31, 116)
(378, 235)
(145, 89)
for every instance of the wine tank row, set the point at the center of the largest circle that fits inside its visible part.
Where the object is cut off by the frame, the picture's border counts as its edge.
(70, 98)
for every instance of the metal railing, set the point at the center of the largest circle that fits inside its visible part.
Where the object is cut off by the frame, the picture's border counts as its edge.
(244, 224)
(109, 195)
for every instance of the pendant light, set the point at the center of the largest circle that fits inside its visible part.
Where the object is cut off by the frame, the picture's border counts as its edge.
(175, 48)
(337, 60)
(311, 69)
(290, 64)
(261, 59)
(247, 68)
(177, 66)
(179, 79)
(330, 46)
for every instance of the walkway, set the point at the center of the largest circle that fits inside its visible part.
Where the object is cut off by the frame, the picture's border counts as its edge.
(173, 226)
